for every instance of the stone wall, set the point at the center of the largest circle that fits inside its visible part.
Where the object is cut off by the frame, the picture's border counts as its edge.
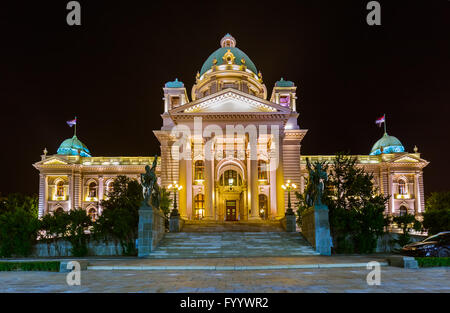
(308, 226)
(61, 248)
(385, 244)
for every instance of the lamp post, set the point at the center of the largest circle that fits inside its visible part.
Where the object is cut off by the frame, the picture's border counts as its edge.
(175, 187)
(288, 187)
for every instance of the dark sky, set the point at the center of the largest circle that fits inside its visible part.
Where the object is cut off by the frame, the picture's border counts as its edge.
(109, 72)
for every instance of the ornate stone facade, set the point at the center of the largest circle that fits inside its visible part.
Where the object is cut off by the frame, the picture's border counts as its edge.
(230, 148)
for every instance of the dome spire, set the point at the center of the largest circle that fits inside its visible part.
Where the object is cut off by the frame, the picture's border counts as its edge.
(228, 41)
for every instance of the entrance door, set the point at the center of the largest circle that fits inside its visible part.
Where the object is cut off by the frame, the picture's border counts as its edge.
(230, 210)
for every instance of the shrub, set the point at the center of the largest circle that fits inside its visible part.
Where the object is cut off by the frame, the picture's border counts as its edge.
(18, 231)
(50, 266)
(432, 262)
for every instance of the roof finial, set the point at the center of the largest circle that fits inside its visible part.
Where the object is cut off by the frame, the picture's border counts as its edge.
(228, 41)
(45, 151)
(415, 149)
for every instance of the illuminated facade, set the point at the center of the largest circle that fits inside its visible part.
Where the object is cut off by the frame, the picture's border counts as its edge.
(226, 176)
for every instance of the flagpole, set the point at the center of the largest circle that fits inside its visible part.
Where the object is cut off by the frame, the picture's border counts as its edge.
(384, 123)
(75, 134)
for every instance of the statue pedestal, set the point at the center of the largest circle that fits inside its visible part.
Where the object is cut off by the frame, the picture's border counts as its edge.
(145, 230)
(175, 223)
(316, 228)
(151, 229)
(291, 223)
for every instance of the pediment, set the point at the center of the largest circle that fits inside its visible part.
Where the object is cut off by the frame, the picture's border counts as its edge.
(230, 101)
(406, 158)
(54, 160)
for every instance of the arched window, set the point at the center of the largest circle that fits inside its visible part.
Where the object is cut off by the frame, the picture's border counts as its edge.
(402, 187)
(262, 170)
(199, 170)
(402, 211)
(231, 178)
(93, 190)
(60, 189)
(263, 212)
(199, 207)
(92, 214)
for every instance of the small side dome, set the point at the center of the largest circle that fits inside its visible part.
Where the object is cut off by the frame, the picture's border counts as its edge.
(73, 146)
(387, 144)
(175, 84)
(284, 83)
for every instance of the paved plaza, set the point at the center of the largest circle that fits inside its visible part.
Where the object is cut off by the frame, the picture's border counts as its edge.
(393, 279)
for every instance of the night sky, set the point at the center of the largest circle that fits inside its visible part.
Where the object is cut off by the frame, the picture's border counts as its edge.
(109, 72)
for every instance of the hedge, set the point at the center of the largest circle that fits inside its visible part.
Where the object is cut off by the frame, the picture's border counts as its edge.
(432, 262)
(48, 266)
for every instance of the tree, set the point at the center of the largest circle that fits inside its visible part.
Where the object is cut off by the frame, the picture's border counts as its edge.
(301, 207)
(18, 224)
(165, 205)
(18, 231)
(120, 216)
(406, 222)
(17, 200)
(356, 210)
(436, 217)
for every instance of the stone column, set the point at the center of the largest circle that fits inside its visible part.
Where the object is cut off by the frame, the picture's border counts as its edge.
(182, 199)
(42, 195)
(188, 211)
(273, 188)
(77, 191)
(209, 189)
(254, 189)
(70, 178)
(281, 205)
(391, 193)
(100, 187)
(216, 202)
(245, 191)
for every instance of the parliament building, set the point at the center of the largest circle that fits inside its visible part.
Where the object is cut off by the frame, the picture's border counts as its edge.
(230, 145)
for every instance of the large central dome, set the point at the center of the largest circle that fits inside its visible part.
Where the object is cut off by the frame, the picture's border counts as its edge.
(228, 43)
(228, 67)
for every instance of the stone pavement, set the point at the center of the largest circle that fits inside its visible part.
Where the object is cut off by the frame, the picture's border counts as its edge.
(316, 280)
(238, 263)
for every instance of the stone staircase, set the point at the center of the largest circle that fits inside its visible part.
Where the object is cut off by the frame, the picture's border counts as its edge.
(220, 240)
(238, 226)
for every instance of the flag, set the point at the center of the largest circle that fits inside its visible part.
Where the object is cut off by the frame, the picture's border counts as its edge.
(379, 121)
(72, 122)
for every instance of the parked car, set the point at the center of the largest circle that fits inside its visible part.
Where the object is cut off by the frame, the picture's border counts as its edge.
(437, 246)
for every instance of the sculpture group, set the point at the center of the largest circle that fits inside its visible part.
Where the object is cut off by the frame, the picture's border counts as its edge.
(316, 183)
(152, 192)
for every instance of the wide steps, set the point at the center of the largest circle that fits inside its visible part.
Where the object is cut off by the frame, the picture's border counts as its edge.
(231, 244)
(238, 226)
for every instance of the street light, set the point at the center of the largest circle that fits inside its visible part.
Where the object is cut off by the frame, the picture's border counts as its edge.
(288, 187)
(175, 187)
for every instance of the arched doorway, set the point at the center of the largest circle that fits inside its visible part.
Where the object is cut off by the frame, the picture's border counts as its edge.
(262, 205)
(402, 210)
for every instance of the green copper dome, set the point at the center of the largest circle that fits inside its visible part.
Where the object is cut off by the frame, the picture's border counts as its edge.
(228, 43)
(175, 84)
(73, 146)
(284, 83)
(387, 144)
